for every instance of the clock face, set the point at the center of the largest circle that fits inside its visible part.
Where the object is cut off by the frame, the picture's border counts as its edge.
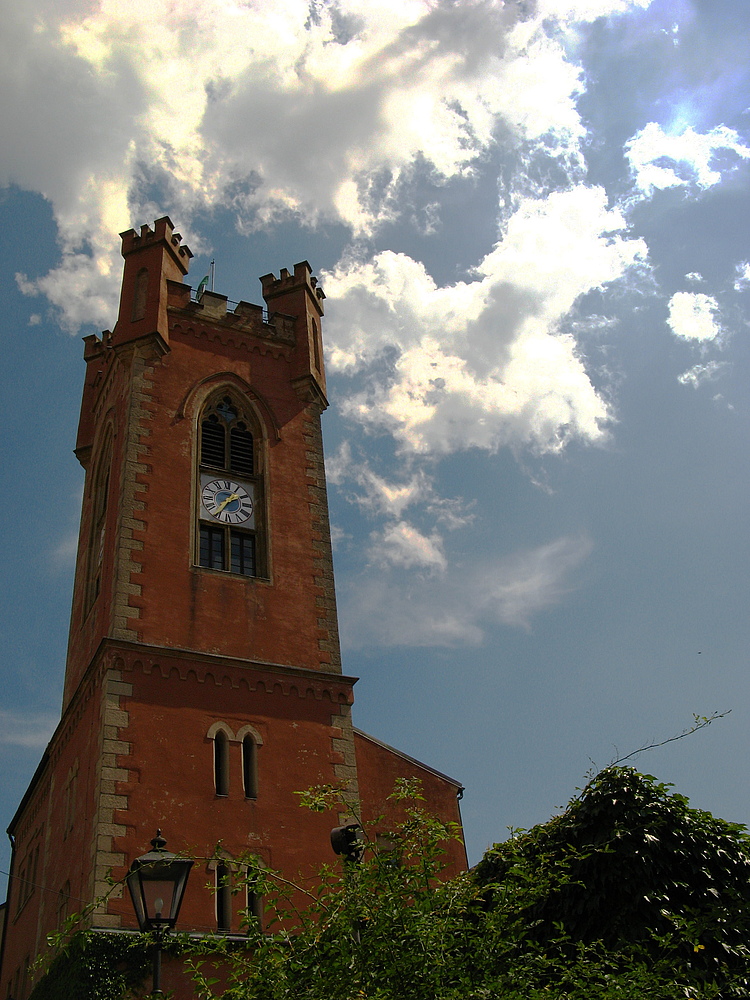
(227, 501)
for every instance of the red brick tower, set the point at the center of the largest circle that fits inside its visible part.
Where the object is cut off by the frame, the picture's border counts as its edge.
(203, 684)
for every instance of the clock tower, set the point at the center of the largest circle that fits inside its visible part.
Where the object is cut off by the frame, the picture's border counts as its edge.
(204, 684)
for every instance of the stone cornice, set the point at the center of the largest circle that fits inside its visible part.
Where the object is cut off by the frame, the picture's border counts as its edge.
(291, 679)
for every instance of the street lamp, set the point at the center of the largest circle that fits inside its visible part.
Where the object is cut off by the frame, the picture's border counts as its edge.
(157, 883)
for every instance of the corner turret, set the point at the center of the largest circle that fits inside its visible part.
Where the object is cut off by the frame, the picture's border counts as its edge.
(299, 296)
(152, 258)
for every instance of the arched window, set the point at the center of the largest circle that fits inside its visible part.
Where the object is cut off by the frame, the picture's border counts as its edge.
(100, 502)
(230, 489)
(254, 905)
(223, 898)
(316, 347)
(63, 902)
(69, 799)
(250, 767)
(221, 763)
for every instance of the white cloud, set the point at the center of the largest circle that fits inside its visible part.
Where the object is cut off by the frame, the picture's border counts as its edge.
(482, 363)
(31, 730)
(531, 581)
(742, 276)
(272, 109)
(587, 10)
(661, 160)
(397, 542)
(377, 495)
(451, 513)
(401, 544)
(338, 535)
(457, 607)
(694, 316)
(698, 374)
(389, 497)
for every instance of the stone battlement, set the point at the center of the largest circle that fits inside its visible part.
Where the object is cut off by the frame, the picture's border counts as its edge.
(286, 282)
(163, 231)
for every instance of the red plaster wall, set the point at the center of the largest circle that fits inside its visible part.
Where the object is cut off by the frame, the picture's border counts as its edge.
(171, 783)
(378, 767)
(188, 607)
(64, 855)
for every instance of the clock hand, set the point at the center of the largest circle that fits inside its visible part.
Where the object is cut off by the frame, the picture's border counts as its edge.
(222, 505)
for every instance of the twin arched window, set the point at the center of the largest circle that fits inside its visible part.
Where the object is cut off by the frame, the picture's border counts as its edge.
(249, 750)
(230, 489)
(250, 767)
(224, 871)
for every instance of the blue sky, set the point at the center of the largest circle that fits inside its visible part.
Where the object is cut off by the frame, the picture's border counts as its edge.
(530, 220)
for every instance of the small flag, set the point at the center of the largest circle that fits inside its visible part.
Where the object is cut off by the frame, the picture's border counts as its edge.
(201, 287)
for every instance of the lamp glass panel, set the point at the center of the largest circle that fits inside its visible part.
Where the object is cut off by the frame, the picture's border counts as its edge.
(158, 895)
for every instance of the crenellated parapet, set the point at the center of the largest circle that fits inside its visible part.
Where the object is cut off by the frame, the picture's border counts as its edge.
(163, 232)
(287, 283)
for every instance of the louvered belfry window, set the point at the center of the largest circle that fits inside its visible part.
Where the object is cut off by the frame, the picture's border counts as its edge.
(227, 448)
(226, 440)
(213, 445)
(241, 450)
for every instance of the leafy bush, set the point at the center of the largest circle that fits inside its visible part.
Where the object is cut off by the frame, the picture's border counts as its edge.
(96, 966)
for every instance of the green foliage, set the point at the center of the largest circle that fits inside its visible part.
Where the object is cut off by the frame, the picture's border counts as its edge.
(96, 966)
(634, 867)
(370, 930)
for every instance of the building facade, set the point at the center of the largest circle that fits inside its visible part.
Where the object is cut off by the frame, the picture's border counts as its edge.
(203, 684)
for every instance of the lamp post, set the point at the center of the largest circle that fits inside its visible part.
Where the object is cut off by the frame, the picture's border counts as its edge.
(157, 883)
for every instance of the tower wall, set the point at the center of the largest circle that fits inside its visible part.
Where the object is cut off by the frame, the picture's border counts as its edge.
(203, 624)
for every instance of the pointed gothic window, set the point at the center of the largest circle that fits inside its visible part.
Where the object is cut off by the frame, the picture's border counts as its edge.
(230, 490)
(69, 799)
(63, 904)
(316, 346)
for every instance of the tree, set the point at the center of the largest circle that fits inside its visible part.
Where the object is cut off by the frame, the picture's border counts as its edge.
(631, 868)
